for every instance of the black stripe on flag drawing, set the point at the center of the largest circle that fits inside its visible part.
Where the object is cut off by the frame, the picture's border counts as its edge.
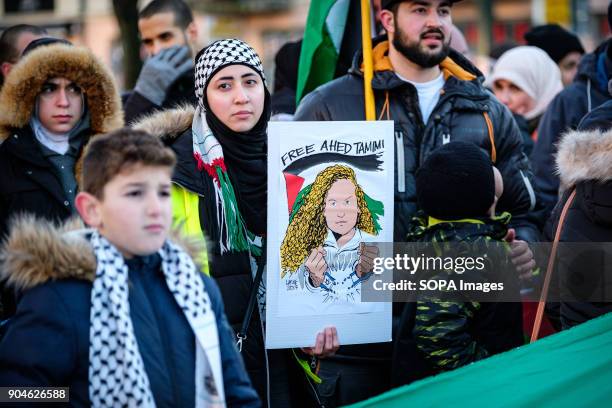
(370, 162)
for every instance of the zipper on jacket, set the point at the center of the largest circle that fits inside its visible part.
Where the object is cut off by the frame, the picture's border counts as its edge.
(529, 187)
(401, 170)
(589, 103)
(166, 344)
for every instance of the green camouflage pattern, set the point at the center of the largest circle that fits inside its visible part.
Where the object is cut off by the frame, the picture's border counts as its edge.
(441, 328)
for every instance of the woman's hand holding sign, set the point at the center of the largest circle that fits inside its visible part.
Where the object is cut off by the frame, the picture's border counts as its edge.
(326, 344)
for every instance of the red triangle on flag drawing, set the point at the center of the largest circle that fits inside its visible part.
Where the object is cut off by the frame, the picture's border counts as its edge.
(294, 184)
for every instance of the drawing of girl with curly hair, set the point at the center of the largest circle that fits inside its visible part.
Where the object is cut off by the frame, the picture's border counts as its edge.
(324, 242)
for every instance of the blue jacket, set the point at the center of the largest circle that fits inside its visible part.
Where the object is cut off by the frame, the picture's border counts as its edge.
(47, 341)
(588, 91)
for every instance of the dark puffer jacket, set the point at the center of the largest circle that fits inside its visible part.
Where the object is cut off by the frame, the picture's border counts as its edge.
(29, 182)
(582, 280)
(464, 112)
(588, 91)
(47, 341)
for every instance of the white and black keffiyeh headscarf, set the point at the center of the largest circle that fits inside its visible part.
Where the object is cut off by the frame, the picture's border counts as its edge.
(218, 55)
(235, 161)
(117, 375)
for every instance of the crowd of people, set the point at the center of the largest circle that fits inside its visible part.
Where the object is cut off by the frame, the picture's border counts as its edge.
(134, 225)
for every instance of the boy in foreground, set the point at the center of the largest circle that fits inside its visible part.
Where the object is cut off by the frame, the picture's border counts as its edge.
(120, 314)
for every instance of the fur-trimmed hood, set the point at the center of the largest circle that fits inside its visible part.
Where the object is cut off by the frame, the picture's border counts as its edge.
(77, 64)
(173, 128)
(167, 124)
(37, 251)
(584, 155)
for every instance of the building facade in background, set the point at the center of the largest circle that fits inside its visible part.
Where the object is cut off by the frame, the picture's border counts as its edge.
(268, 24)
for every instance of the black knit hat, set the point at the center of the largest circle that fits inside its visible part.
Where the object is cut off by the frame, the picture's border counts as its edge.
(555, 40)
(456, 181)
(387, 4)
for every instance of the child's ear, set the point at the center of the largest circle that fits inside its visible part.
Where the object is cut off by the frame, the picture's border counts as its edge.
(88, 207)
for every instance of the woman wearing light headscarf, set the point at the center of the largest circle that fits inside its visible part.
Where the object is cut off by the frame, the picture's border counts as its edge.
(526, 80)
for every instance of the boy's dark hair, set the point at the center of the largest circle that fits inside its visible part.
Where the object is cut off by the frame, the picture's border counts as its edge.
(182, 13)
(110, 154)
(8, 39)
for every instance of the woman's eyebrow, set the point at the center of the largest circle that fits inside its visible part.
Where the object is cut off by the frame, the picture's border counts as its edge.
(231, 78)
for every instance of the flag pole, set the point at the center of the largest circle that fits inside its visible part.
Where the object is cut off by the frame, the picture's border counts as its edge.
(368, 64)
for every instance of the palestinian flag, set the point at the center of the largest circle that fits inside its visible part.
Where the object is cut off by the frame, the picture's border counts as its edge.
(572, 368)
(331, 37)
(294, 181)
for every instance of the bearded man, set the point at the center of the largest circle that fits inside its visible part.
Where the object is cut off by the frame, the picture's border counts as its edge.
(435, 96)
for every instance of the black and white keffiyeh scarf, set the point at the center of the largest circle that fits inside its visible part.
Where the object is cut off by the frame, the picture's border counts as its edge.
(234, 161)
(117, 376)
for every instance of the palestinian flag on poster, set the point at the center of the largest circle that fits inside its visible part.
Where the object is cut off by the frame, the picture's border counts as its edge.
(331, 37)
(294, 180)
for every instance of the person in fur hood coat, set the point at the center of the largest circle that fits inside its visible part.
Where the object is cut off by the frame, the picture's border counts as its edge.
(54, 100)
(582, 280)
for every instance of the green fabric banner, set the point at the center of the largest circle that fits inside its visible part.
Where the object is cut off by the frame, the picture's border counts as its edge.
(569, 369)
(321, 44)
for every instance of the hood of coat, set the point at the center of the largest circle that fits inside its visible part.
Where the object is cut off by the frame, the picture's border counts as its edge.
(77, 64)
(168, 124)
(584, 161)
(37, 251)
(587, 68)
(173, 127)
(585, 155)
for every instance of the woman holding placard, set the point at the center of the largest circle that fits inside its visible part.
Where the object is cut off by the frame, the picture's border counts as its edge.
(220, 192)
